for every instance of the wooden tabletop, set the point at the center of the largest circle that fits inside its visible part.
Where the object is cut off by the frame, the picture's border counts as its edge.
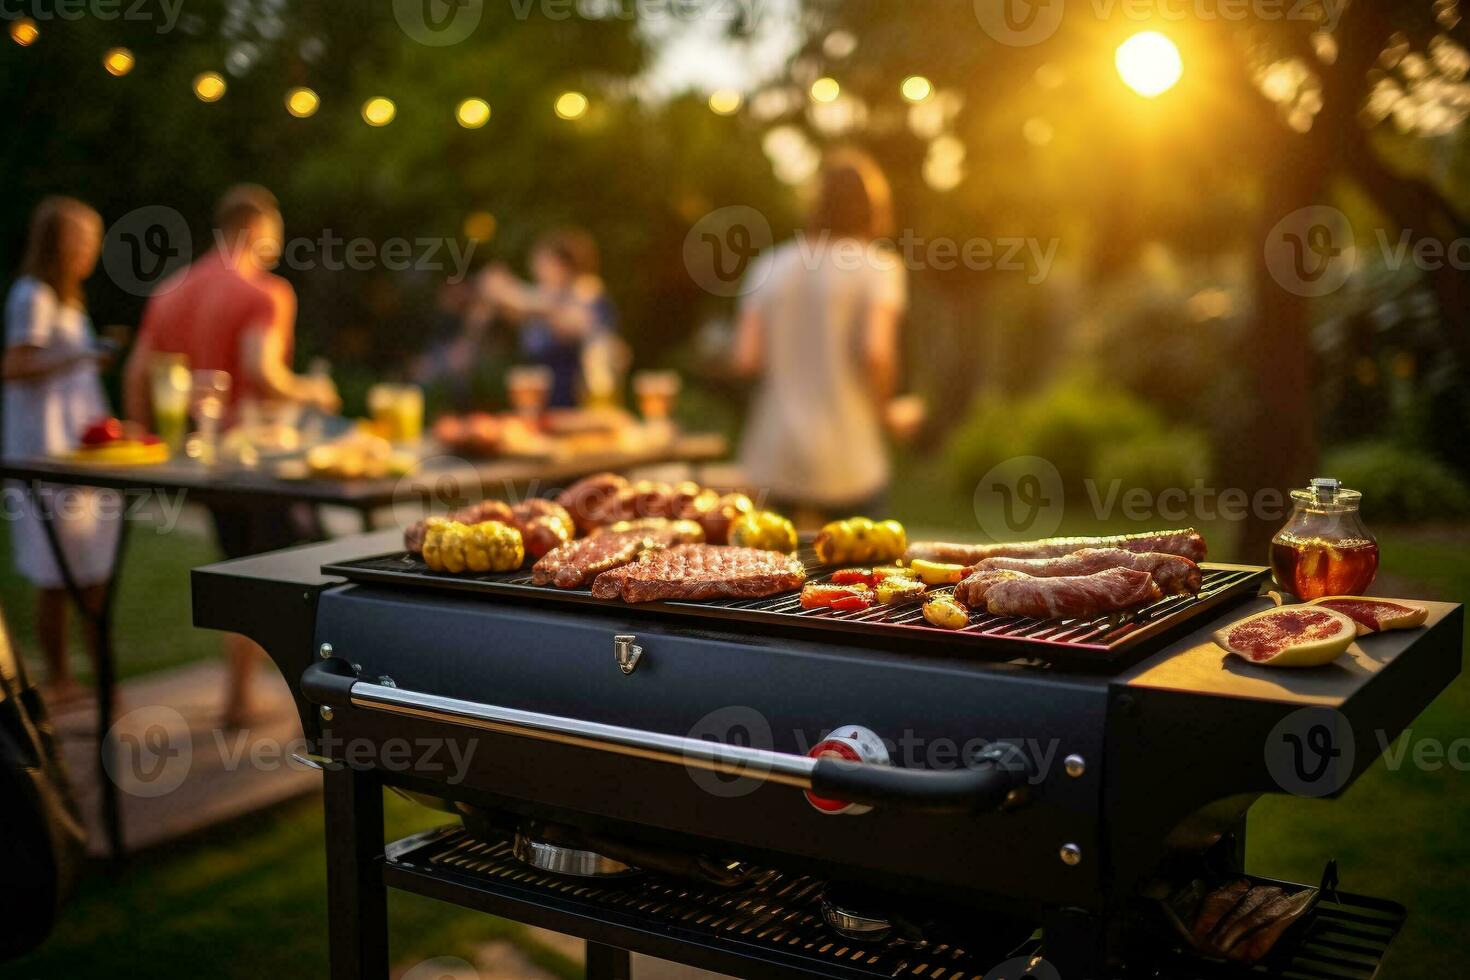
(446, 474)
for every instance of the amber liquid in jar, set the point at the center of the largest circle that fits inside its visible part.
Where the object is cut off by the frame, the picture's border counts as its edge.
(1311, 567)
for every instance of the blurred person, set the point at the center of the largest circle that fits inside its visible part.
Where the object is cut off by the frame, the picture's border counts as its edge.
(818, 327)
(228, 312)
(53, 392)
(563, 313)
(456, 331)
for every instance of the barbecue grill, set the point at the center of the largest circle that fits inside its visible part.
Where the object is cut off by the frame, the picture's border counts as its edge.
(1040, 779)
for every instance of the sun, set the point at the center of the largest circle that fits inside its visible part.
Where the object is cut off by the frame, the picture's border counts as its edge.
(1149, 63)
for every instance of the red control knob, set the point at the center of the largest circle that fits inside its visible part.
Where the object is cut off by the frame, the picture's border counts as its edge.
(853, 743)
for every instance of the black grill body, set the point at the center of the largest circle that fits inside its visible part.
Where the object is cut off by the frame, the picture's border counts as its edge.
(1172, 745)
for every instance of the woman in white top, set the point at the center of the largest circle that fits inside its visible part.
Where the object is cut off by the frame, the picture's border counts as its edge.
(819, 327)
(52, 393)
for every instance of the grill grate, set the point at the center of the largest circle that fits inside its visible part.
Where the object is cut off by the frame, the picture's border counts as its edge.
(777, 917)
(1098, 640)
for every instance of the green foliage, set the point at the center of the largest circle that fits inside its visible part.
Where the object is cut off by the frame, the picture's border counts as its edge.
(1088, 431)
(1155, 461)
(1398, 484)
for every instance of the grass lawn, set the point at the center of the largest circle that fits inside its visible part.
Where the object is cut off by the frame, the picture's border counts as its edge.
(248, 901)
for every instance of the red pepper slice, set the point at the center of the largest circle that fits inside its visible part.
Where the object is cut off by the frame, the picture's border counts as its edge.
(852, 603)
(817, 595)
(854, 576)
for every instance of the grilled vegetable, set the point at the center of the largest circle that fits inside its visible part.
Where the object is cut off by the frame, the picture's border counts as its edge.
(943, 611)
(937, 573)
(766, 530)
(816, 595)
(860, 539)
(896, 589)
(854, 576)
(490, 546)
(852, 603)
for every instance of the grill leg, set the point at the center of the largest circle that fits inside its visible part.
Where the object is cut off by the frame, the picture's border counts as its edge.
(607, 963)
(357, 901)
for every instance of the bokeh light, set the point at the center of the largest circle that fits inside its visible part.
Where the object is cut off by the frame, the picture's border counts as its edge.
(826, 90)
(916, 88)
(302, 102)
(118, 61)
(209, 86)
(378, 111)
(571, 105)
(473, 113)
(23, 31)
(1149, 63)
(725, 102)
(479, 226)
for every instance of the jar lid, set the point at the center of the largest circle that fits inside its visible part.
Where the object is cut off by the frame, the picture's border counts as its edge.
(1326, 491)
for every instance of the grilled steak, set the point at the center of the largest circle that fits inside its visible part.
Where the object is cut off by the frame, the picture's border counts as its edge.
(701, 571)
(1175, 575)
(1187, 544)
(1004, 592)
(576, 563)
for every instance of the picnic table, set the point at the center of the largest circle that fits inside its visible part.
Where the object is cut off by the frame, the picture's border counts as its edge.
(439, 479)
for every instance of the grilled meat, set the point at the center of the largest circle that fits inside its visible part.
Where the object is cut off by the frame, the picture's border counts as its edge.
(1278, 914)
(1216, 905)
(1187, 544)
(1009, 593)
(1247, 914)
(1175, 575)
(701, 571)
(586, 499)
(576, 563)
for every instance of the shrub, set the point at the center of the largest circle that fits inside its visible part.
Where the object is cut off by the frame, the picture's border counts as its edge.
(1398, 484)
(1089, 432)
(1172, 459)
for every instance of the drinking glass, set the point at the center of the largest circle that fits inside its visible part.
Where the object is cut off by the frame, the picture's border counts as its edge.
(656, 392)
(211, 393)
(398, 411)
(170, 384)
(529, 389)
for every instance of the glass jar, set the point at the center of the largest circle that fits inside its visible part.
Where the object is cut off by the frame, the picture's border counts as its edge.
(1324, 549)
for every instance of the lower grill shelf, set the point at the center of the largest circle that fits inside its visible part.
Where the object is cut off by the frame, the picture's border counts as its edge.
(772, 926)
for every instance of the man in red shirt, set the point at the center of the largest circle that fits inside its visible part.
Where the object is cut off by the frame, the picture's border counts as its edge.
(228, 312)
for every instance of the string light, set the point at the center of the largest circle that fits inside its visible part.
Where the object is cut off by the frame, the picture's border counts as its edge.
(725, 102)
(916, 88)
(23, 31)
(118, 61)
(473, 113)
(302, 102)
(378, 111)
(209, 86)
(571, 105)
(826, 90)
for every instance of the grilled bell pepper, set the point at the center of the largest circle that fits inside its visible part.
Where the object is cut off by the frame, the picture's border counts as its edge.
(490, 546)
(937, 573)
(897, 589)
(766, 530)
(820, 595)
(946, 612)
(852, 603)
(860, 539)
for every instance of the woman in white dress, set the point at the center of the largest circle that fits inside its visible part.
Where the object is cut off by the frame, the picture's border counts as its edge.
(819, 327)
(53, 391)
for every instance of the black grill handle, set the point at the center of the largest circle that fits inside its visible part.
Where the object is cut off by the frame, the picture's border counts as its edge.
(985, 784)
